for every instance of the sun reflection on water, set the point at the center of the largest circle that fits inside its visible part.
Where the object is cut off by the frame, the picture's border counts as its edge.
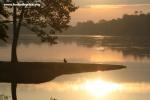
(99, 88)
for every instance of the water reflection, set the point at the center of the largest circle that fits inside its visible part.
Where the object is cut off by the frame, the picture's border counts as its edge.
(139, 47)
(99, 88)
(125, 84)
(71, 51)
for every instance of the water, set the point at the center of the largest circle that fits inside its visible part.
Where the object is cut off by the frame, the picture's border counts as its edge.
(132, 83)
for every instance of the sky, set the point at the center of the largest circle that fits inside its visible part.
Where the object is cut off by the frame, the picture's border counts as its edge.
(112, 2)
(96, 10)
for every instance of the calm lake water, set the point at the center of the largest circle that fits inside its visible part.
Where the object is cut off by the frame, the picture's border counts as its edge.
(132, 83)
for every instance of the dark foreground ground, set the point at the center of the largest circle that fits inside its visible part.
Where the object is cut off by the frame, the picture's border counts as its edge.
(38, 72)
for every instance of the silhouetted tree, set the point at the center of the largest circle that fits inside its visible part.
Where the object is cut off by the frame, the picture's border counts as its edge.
(3, 26)
(129, 25)
(54, 14)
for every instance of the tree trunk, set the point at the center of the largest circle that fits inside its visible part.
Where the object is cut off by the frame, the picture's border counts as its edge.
(14, 46)
(14, 59)
(13, 90)
(15, 38)
(14, 52)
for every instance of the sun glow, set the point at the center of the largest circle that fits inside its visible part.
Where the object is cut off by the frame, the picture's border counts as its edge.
(100, 88)
(105, 6)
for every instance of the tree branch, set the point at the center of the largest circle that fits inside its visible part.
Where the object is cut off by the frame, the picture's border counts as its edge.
(20, 20)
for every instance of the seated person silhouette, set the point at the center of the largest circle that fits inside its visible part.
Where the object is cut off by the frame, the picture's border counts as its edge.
(65, 61)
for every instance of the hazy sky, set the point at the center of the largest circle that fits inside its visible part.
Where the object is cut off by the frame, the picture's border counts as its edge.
(96, 10)
(93, 2)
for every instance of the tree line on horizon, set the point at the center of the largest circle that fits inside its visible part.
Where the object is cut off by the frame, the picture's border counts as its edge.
(136, 24)
(129, 25)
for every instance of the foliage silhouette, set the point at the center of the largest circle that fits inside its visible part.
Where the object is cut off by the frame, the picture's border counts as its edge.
(129, 25)
(53, 13)
(3, 26)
